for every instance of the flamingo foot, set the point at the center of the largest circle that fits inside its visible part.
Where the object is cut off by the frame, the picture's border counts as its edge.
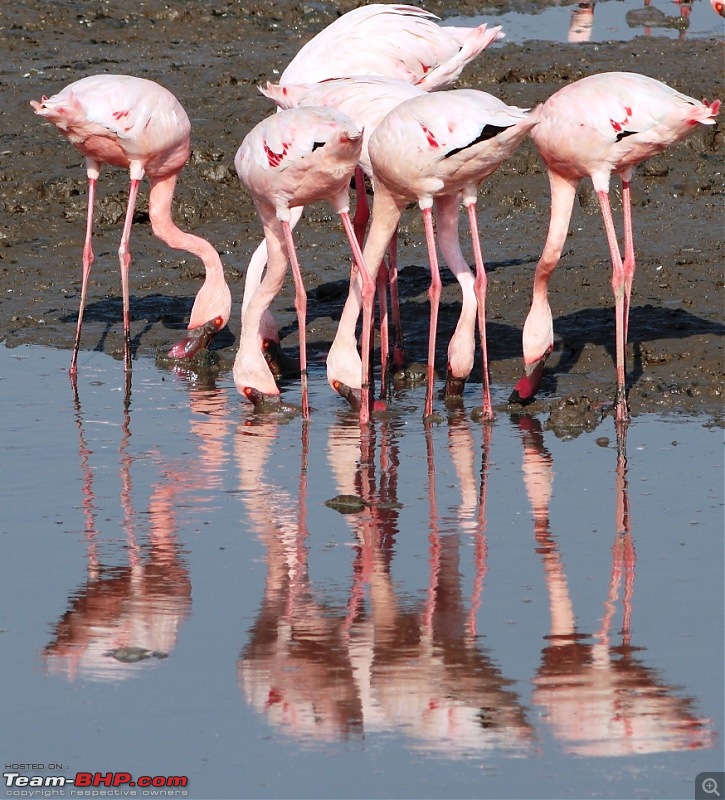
(621, 407)
(528, 384)
(279, 363)
(197, 339)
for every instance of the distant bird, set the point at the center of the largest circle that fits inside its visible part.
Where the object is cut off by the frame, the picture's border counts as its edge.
(291, 159)
(366, 99)
(396, 41)
(138, 125)
(597, 126)
(436, 148)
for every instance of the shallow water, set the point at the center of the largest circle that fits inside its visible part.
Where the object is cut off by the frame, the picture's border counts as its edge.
(503, 614)
(609, 21)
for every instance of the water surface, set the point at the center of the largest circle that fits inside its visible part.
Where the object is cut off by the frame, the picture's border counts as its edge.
(606, 21)
(502, 614)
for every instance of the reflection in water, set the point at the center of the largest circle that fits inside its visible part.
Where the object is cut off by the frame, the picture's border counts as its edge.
(650, 17)
(124, 616)
(598, 698)
(295, 668)
(581, 23)
(386, 662)
(370, 653)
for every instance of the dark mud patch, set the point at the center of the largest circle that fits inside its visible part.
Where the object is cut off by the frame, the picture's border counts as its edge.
(212, 57)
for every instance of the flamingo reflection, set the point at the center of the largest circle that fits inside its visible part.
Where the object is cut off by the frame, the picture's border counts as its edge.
(127, 615)
(581, 22)
(419, 666)
(388, 660)
(598, 698)
(295, 667)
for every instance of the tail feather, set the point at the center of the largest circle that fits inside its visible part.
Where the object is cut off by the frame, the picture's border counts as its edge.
(472, 45)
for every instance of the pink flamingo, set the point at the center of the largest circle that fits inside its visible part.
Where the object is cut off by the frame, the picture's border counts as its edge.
(597, 126)
(366, 99)
(392, 40)
(138, 125)
(436, 148)
(290, 159)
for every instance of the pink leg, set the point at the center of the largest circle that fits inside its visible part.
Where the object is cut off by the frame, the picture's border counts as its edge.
(382, 288)
(479, 288)
(434, 295)
(362, 208)
(87, 264)
(629, 264)
(620, 305)
(398, 348)
(368, 299)
(301, 308)
(124, 260)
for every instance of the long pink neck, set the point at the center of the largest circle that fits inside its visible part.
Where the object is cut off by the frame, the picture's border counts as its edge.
(214, 299)
(160, 197)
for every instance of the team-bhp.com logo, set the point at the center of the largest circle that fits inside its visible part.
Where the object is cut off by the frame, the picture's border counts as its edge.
(93, 784)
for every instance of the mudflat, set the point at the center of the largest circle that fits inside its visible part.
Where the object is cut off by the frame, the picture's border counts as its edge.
(213, 57)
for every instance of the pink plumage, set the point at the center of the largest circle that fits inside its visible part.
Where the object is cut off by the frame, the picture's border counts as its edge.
(136, 124)
(290, 159)
(435, 148)
(599, 126)
(398, 41)
(390, 40)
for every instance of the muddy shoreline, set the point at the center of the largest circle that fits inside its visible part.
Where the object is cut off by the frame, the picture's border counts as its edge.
(212, 58)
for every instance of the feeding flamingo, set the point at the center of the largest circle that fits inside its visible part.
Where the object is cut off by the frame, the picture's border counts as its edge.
(366, 99)
(436, 148)
(138, 125)
(392, 40)
(598, 126)
(292, 158)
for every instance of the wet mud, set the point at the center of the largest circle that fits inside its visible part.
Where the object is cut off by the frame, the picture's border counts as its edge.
(213, 56)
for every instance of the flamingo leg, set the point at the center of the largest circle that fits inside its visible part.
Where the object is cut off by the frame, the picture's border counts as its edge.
(398, 348)
(462, 346)
(434, 295)
(479, 288)
(87, 263)
(382, 290)
(362, 207)
(301, 308)
(620, 305)
(278, 362)
(368, 299)
(629, 264)
(124, 260)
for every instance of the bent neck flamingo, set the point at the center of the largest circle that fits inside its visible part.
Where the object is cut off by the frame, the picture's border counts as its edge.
(138, 125)
(598, 126)
(433, 149)
(291, 159)
(391, 40)
(366, 99)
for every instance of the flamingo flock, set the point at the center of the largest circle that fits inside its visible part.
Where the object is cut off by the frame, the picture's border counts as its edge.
(370, 97)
